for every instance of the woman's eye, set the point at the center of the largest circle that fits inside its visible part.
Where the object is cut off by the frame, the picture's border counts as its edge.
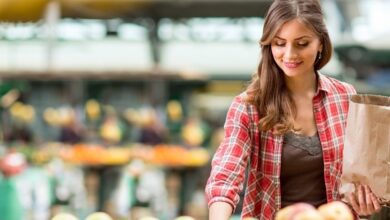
(303, 44)
(279, 44)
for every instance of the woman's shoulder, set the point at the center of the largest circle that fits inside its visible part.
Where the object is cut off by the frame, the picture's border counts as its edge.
(241, 103)
(242, 99)
(336, 86)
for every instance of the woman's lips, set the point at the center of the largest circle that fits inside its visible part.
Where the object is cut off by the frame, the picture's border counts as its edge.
(292, 65)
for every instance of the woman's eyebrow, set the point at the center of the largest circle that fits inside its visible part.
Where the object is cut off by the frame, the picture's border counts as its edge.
(298, 38)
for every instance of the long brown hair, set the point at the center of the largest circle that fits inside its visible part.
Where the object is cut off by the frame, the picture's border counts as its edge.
(267, 89)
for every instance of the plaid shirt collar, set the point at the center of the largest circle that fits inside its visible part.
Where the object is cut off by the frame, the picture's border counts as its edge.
(323, 83)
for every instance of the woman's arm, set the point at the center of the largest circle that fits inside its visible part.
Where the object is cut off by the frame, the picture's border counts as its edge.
(229, 162)
(220, 211)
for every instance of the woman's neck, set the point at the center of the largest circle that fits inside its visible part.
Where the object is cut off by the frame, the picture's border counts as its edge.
(302, 85)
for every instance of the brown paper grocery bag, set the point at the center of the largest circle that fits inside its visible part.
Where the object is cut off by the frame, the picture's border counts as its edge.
(367, 145)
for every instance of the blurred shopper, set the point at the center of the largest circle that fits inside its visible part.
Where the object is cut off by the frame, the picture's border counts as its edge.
(194, 133)
(24, 191)
(68, 184)
(152, 131)
(11, 207)
(20, 116)
(111, 130)
(71, 132)
(175, 120)
(287, 128)
(18, 134)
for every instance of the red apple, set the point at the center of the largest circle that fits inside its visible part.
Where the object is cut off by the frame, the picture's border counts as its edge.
(289, 212)
(335, 210)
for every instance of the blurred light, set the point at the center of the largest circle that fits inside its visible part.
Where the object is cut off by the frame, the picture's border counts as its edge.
(80, 30)
(129, 31)
(211, 29)
(205, 29)
(181, 32)
(166, 29)
(374, 20)
(253, 28)
(19, 31)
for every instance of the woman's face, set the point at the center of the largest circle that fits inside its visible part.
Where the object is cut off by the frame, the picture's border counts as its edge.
(295, 47)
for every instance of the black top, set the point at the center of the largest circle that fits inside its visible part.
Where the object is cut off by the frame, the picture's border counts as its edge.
(302, 170)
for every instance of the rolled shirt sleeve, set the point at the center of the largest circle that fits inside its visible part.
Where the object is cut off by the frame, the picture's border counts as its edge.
(230, 160)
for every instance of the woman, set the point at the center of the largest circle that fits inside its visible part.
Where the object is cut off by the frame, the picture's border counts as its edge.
(286, 130)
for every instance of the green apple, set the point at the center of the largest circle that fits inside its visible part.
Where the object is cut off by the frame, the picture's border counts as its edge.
(64, 216)
(184, 218)
(148, 218)
(335, 210)
(308, 214)
(98, 216)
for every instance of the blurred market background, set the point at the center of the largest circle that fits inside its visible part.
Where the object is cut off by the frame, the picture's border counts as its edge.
(118, 105)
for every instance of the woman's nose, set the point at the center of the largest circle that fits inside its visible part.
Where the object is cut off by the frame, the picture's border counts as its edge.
(290, 52)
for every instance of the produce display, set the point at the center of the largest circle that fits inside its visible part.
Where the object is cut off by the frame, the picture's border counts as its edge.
(302, 211)
(172, 155)
(110, 130)
(58, 117)
(12, 164)
(95, 154)
(92, 109)
(22, 112)
(90, 154)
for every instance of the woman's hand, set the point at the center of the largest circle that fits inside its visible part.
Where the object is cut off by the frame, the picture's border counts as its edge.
(364, 201)
(220, 211)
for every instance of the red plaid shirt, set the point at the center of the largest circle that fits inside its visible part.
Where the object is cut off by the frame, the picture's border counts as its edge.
(242, 142)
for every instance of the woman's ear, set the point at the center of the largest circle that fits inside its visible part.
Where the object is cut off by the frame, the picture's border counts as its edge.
(320, 48)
